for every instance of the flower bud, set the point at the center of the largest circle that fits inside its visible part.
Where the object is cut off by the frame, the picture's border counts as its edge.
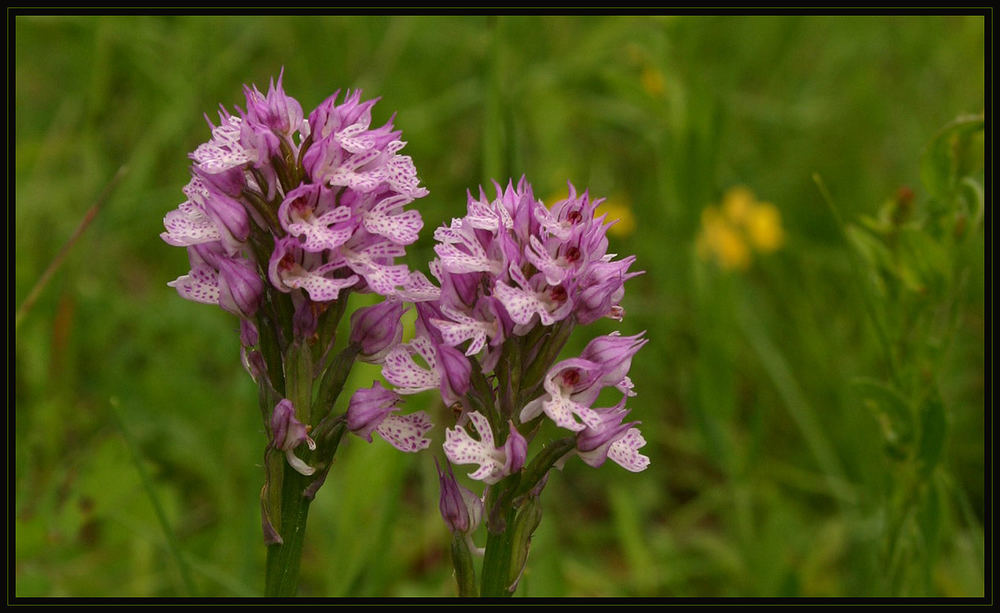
(464, 286)
(304, 319)
(614, 354)
(427, 312)
(231, 181)
(253, 363)
(240, 287)
(287, 432)
(277, 111)
(596, 301)
(377, 328)
(368, 408)
(516, 450)
(602, 288)
(229, 215)
(262, 145)
(249, 337)
(456, 371)
(460, 508)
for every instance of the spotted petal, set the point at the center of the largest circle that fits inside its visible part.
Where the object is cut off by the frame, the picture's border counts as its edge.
(463, 328)
(353, 137)
(381, 278)
(461, 448)
(318, 231)
(200, 285)
(401, 175)
(418, 289)
(406, 432)
(521, 305)
(401, 228)
(189, 225)
(400, 369)
(625, 453)
(349, 175)
(224, 150)
(563, 411)
(456, 260)
(549, 222)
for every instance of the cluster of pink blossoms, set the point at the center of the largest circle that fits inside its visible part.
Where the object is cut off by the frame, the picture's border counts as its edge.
(285, 215)
(515, 278)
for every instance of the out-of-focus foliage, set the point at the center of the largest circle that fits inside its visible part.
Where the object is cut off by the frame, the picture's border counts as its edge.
(815, 419)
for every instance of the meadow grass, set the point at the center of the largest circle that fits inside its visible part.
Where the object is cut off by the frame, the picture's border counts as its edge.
(776, 396)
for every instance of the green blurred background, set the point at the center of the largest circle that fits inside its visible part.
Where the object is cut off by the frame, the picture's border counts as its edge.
(814, 415)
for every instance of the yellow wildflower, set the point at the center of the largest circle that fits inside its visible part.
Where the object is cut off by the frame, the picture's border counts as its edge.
(729, 232)
(652, 81)
(723, 241)
(764, 227)
(737, 203)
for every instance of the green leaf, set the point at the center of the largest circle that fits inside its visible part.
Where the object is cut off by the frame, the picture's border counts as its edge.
(945, 157)
(929, 518)
(528, 518)
(972, 191)
(871, 248)
(892, 411)
(933, 430)
(878, 224)
(927, 260)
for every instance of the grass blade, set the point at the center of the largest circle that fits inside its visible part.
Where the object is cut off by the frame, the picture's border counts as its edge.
(168, 533)
(91, 213)
(781, 375)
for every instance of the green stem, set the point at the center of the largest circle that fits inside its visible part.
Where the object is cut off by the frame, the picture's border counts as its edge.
(298, 380)
(507, 548)
(327, 333)
(261, 206)
(528, 517)
(283, 558)
(271, 350)
(465, 570)
(496, 562)
(281, 170)
(513, 512)
(297, 490)
(333, 381)
(509, 370)
(302, 151)
(482, 394)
